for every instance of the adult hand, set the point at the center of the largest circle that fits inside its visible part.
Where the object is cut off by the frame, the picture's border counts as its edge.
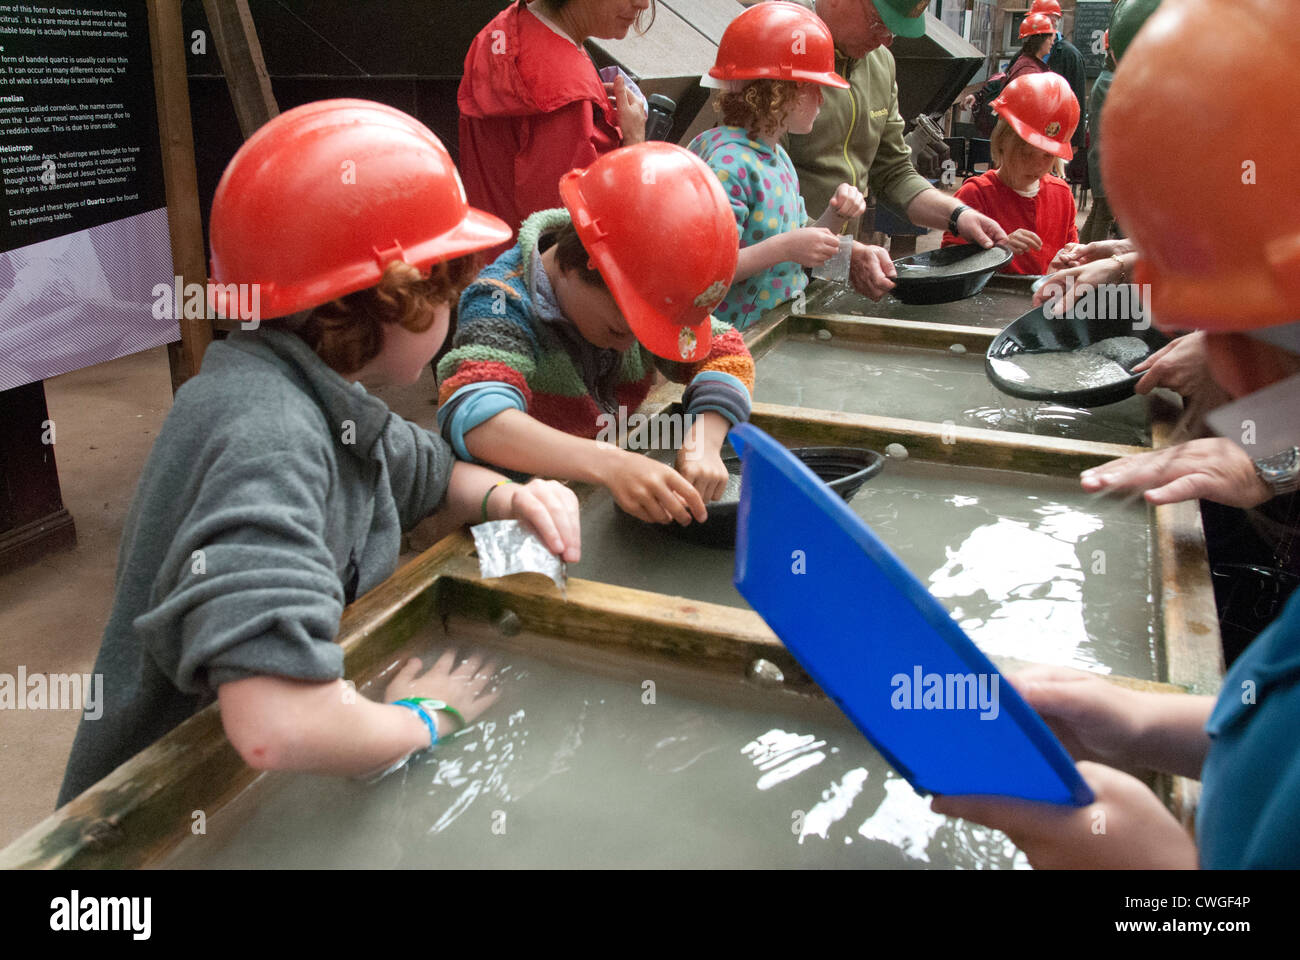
(1125, 828)
(1077, 254)
(550, 509)
(871, 271)
(1087, 277)
(1212, 469)
(1023, 240)
(847, 203)
(1180, 366)
(653, 491)
(809, 246)
(465, 686)
(977, 228)
(968, 102)
(631, 115)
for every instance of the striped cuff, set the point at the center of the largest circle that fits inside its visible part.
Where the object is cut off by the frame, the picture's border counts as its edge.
(720, 393)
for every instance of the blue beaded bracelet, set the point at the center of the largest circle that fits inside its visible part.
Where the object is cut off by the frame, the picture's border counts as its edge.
(424, 715)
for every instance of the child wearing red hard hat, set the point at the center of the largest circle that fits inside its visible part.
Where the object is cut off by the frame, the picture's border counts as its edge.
(278, 489)
(1037, 115)
(772, 63)
(562, 336)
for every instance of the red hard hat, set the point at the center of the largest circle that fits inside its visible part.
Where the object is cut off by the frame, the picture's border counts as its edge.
(320, 200)
(1051, 8)
(1042, 110)
(656, 223)
(1219, 230)
(777, 41)
(1034, 24)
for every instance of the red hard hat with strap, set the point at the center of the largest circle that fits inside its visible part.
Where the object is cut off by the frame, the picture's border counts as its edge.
(320, 200)
(1051, 8)
(777, 41)
(1035, 24)
(657, 225)
(1218, 223)
(1042, 110)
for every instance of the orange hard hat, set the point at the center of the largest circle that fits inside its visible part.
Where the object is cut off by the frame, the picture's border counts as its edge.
(1042, 110)
(1050, 8)
(1219, 229)
(661, 232)
(777, 41)
(1035, 24)
(320, 200)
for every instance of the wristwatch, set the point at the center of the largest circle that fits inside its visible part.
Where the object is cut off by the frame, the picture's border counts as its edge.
(1281, 471)
(952, 218)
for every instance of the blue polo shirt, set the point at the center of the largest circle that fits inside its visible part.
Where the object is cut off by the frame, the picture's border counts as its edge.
(1249, 814)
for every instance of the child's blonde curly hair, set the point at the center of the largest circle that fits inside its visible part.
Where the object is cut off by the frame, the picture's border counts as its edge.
(760, 106)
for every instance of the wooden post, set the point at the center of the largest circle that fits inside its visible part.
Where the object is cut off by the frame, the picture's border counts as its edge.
(185, 223)
(235, 38)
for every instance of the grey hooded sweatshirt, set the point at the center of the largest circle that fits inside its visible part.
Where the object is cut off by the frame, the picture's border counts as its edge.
(276, 493)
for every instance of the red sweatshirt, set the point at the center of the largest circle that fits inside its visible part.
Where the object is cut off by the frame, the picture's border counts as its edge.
(1051, 215)
(532, 108)
(1023, 65)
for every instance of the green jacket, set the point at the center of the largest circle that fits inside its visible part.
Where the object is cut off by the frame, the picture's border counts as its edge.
(858, 139)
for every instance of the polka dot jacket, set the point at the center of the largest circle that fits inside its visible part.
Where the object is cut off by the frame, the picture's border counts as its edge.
(761, 183)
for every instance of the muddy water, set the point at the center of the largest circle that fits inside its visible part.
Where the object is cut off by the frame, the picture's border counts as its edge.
(1031, 567)
(933, 385)
(989, 308)
(575, 769)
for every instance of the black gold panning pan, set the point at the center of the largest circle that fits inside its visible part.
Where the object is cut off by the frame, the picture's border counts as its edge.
(947, 274)
(842, 469)
(1038, 333)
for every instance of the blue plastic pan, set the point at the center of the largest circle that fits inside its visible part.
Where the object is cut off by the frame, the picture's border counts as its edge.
(874, 639)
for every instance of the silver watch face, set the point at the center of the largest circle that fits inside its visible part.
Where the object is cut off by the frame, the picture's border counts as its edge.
(1281, 471)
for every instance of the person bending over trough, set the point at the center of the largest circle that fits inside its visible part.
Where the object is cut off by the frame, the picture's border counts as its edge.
(563, 335)
(278, 489)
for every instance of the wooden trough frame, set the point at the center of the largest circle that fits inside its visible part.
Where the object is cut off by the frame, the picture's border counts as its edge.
(135, 816)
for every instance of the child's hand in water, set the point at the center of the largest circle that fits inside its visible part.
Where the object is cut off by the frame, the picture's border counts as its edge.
(652, 491)
(465, 686)
(700, 458)
(810, 246)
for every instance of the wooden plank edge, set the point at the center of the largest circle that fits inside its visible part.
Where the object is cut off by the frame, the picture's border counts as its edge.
(643, 622)
(947, 443)
(1193, 647)
(899, 333)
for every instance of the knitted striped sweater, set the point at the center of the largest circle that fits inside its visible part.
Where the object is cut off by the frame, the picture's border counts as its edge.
(512, 341)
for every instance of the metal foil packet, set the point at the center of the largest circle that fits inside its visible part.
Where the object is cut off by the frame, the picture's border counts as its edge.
(507, 546)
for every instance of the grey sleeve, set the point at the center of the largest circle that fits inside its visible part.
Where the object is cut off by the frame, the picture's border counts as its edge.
(419, 469)
(249, 586)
